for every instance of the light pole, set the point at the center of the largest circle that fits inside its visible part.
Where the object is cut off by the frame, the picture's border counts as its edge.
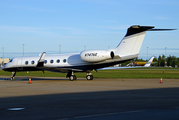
(147, 53)
(165, 56)
(59, 49)
(85, 47)
(3, 55)
(23, 49)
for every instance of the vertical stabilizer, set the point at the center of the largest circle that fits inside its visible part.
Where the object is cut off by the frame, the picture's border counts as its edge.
(149, 62)
(132, 42)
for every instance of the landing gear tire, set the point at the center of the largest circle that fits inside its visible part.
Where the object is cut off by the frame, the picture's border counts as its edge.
(12, 78)
(89, 77)
(72, 77)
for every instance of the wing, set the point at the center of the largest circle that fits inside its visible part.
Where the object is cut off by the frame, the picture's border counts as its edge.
(114, 68)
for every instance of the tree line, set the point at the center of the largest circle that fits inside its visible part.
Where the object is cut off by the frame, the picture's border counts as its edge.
(172, 61)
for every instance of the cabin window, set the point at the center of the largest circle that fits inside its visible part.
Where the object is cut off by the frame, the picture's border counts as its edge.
(32, 62)
(58, 61)
(26, 62)
(45, 61)
(64, 60)
(51, 61)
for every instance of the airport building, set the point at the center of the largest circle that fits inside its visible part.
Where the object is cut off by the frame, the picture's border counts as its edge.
(3, 61)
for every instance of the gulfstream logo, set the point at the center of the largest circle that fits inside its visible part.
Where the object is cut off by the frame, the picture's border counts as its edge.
(91, 54)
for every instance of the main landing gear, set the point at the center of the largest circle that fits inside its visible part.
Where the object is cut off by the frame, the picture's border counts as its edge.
(89, 76)
(72, 77)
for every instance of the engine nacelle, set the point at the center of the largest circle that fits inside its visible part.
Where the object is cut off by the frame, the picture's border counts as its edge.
(96, 55)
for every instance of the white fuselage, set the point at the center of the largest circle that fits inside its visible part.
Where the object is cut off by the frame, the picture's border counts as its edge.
(62, 63)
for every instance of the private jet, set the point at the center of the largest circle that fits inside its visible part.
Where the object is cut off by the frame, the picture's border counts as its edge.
(87, 60)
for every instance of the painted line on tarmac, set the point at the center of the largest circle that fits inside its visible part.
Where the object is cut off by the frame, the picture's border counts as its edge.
(63, 119)
(133, 111)
(98, 115)
(88, 116)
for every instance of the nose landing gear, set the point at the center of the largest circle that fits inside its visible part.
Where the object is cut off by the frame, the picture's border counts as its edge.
(13, 75)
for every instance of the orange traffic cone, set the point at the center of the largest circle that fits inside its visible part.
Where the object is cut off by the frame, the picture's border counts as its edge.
(161, 80)
(29, 80)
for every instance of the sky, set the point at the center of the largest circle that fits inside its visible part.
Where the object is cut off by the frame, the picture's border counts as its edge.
(75, 25)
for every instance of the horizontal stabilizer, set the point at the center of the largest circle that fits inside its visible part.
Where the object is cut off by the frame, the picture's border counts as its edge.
(138, 29)
(160, 29)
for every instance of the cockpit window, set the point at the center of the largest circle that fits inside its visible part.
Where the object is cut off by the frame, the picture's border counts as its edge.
(10, 60)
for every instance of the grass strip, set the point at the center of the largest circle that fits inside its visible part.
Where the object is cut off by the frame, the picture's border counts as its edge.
(170, 73)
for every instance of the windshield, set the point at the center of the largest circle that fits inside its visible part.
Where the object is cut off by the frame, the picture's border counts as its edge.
(10, 60)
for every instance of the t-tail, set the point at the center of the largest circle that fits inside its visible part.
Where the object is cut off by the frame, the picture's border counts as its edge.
(132, 42)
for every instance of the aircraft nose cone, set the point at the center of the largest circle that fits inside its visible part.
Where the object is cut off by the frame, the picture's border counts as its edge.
(3, 67)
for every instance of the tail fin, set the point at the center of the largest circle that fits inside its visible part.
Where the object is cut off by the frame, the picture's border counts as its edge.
(149, 62)
(132, 42)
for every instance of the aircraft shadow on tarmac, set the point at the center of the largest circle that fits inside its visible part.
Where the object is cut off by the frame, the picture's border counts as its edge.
(95, 105)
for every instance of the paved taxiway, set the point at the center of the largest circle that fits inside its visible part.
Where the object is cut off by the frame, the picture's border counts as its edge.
(59, 98)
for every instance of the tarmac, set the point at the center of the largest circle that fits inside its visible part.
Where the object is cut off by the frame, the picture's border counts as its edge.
(60, 99)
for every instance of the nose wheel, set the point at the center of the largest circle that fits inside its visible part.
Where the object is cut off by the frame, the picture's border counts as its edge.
(13, 75)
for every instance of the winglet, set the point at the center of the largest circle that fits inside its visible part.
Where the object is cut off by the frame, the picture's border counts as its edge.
(149, 62)
(41, 60)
